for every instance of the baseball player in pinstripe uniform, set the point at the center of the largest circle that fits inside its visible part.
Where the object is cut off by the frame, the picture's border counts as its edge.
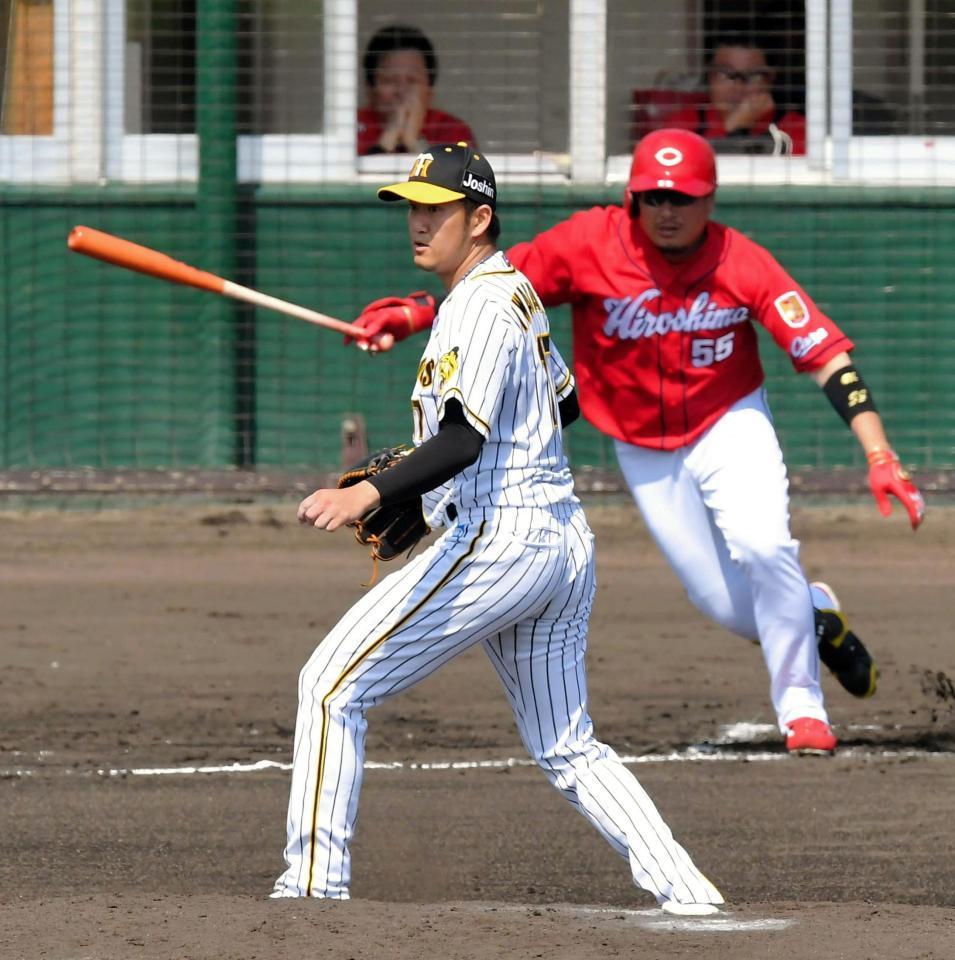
(514, 572)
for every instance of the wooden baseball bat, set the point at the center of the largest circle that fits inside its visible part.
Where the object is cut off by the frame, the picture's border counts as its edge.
(132, 256)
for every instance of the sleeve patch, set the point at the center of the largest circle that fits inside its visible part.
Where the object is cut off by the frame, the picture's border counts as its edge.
(792, 309)
(447, 369)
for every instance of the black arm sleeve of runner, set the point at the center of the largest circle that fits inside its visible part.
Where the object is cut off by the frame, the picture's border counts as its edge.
(569, 409)
(455, 446)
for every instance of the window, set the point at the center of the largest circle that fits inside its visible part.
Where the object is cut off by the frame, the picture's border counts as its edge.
(279, 46)
(34, 72)
(873, 81)
(903, 68)
(889, 78)
(293, 105)
(26, 67)
(654, 68)
(107, 90)
(502, 68)
(159, 61)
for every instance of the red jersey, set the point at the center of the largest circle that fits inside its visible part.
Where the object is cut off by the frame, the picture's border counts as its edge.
(438, 127)
(662, 350)
(708, 123)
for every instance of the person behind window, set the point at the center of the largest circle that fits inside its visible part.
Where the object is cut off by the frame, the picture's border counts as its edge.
(400, 69)
(741, 115)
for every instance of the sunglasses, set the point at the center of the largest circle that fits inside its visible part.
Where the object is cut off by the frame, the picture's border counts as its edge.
(656, 198)
(747, 77)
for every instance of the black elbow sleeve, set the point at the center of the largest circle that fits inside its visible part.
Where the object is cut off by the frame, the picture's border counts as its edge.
(569, 409)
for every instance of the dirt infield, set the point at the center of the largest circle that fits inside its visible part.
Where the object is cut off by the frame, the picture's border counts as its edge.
(143, 644)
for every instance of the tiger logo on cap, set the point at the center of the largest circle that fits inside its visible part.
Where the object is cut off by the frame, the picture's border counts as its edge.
(420, 166)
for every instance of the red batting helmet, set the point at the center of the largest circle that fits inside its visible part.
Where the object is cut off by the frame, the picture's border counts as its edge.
(673, 159)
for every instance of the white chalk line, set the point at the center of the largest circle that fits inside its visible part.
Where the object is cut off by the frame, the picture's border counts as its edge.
(656, 919)
(725, 748)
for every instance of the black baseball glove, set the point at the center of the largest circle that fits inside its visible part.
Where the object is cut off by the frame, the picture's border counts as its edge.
(393, 528)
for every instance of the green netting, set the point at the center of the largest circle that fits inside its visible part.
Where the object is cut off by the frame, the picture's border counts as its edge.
(106, 368)
(103, 367)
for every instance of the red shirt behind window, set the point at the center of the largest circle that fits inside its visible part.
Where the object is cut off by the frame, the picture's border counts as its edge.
(709, 123)
(438, 127)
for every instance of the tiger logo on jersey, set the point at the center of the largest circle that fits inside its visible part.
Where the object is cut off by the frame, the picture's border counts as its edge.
(447, 369)
(792, 309)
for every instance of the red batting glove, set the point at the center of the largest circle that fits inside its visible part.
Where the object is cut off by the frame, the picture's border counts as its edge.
(886, 476)
(398, 316)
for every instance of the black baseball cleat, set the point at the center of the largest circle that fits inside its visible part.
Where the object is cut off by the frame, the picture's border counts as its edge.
(841, 650)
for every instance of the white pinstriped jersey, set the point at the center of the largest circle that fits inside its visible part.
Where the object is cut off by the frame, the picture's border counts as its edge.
(490, 349)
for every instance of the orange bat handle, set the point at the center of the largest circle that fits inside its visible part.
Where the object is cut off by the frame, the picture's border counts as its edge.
(123, 253)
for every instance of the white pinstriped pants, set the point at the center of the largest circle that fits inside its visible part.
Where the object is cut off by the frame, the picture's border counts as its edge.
(520, 581)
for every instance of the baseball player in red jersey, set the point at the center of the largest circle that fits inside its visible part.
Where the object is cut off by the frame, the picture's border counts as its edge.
(664, 302)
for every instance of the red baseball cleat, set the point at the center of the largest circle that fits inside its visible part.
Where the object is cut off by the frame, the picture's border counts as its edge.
(809, 735)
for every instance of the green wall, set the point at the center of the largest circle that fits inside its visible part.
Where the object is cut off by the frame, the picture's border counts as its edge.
(105, 368)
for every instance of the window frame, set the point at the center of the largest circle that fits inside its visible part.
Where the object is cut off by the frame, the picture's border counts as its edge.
(46, 158)
(266, 158)
(89, 143)
(834, 155)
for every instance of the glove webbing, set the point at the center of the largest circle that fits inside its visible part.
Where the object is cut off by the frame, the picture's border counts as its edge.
(375, 542)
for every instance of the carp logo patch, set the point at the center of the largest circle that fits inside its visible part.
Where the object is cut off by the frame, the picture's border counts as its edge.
(792, 309)
(668, 156)
(447, 368)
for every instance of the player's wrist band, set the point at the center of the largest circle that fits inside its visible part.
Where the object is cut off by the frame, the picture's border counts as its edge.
(848, 393)
(420, 319)
(880, 455)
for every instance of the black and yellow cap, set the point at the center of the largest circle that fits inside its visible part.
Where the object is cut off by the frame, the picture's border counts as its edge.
(446, 172)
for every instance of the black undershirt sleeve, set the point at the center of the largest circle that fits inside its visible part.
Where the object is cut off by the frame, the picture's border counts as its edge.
(455, 446)
(569, 409)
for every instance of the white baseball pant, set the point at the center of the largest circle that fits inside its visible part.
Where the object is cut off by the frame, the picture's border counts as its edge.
(520, 581)
(719, 511)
